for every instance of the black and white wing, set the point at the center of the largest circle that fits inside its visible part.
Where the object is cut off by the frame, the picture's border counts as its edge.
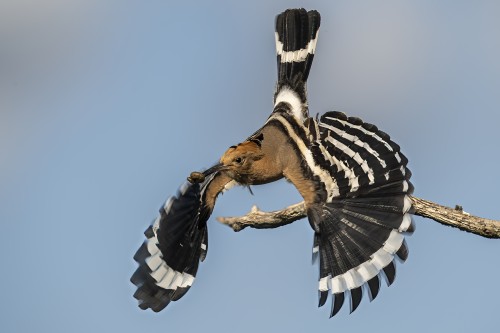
(176, 242)
(365, 210)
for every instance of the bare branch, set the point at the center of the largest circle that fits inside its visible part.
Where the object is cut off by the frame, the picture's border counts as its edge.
(456, 218)
(266, 220)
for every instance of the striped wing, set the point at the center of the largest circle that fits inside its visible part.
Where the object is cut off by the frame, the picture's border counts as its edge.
(365, 210)
(359, 158)
(175, 244)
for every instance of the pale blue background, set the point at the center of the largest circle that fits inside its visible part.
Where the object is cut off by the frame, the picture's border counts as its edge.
(105, 108)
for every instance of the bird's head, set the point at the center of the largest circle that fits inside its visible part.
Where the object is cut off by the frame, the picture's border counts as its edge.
(238, 161)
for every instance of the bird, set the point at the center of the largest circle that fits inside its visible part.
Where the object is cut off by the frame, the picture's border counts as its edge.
(353, 178)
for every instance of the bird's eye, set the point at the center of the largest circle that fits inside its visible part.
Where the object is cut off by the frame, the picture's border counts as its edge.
(238, 160)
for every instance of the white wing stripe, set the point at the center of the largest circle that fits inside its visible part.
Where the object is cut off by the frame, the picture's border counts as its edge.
(160, 272)
(338, 284)
(357, 276)
(152, 246)
(362, 129)
(154, 261)
(406, 223)
(355, 156)
(323, 283)
(356, 141)
(393, 243)
(165, 276)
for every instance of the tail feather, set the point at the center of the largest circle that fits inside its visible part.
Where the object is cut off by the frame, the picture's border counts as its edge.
(296, 36)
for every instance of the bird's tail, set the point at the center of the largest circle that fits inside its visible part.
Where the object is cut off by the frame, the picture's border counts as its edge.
(296, 36)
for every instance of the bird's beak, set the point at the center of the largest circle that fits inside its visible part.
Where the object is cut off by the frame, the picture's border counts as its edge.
(213, 169)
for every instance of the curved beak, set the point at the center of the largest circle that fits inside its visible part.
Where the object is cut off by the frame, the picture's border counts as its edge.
(213, 169)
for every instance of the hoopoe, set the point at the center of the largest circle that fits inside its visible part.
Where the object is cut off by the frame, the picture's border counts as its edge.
(353, 179)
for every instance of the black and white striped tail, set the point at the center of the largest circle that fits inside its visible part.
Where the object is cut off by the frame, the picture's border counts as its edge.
(361, 221)
(176, 243)
(296, 36)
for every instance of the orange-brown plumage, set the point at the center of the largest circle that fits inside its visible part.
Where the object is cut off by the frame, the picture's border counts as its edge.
(247, 149)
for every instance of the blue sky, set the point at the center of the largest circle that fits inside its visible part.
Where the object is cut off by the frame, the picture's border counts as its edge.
(105, 108)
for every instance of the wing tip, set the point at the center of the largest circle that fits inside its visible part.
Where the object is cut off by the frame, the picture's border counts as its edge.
(356, 296)
(337, 302)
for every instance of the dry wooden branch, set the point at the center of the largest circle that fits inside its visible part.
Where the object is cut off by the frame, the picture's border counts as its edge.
(456, 218)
